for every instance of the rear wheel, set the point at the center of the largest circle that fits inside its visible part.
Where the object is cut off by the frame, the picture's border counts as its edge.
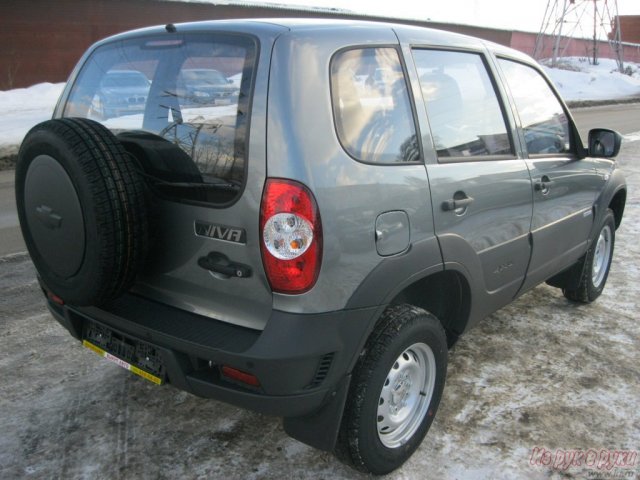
(596, 263)
(395, 391)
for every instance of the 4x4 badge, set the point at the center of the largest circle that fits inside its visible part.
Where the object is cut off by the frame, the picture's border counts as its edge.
(220, 232)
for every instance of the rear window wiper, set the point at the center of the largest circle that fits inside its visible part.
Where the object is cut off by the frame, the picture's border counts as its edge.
(215, 184)
(198, 185)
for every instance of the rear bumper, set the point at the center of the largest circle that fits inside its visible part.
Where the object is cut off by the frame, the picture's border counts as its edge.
(300, 360)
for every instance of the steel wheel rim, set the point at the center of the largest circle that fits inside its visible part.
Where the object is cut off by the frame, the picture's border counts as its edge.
(406, 395)
(601, 256)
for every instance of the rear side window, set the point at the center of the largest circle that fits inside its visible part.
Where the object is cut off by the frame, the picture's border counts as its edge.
(545, 124)
(465, 115)
(180, 104)
(371, 106)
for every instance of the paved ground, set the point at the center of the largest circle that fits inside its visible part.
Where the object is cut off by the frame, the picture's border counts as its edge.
(541, 372)
(624, 118)
(10, 237)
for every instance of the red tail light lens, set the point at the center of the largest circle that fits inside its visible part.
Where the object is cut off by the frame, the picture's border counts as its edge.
(291, 236)
(240, 376)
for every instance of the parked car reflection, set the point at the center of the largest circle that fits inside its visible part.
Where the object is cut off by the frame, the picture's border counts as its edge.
(121, 92)
(206, 86)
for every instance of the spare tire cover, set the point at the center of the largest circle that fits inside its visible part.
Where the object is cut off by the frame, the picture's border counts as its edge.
(82, 210)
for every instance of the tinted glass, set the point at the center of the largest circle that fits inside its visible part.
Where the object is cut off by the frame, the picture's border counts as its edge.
(545, 124)
(371, 106)
(464, 112)
(176, 104)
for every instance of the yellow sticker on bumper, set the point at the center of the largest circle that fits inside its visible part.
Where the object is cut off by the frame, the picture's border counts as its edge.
(122, 363)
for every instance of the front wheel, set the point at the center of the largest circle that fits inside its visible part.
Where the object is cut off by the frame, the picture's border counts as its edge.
(597, 263)
(395, 391)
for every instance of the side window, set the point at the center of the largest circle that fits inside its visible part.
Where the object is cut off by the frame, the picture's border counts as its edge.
(464, 111)
(545, 124)
(371, 106)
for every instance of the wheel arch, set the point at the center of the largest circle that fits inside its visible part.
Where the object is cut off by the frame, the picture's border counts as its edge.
(445, 294)
(617, 204)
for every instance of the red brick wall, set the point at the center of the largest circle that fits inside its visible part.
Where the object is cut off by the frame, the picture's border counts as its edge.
(630, 28)
(41, 40)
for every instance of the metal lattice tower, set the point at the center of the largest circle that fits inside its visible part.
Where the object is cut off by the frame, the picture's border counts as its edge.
(565, 19)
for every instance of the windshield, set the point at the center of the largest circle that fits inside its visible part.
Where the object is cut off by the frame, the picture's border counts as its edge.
(155, 93)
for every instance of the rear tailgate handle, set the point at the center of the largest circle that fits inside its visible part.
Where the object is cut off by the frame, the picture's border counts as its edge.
(218, 263)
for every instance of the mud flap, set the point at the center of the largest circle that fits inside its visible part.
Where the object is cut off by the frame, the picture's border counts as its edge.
(569, 278)
(320, 429)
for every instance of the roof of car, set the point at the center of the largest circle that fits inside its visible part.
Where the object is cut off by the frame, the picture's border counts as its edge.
(294, 26)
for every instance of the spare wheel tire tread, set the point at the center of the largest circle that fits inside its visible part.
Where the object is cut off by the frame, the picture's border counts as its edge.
(128, 191)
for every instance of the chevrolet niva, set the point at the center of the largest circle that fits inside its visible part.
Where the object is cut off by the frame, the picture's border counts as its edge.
(308, 241)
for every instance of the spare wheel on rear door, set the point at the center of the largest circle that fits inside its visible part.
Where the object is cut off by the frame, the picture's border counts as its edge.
(82, 212)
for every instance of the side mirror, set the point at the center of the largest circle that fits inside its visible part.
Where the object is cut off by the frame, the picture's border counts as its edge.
(604, 143)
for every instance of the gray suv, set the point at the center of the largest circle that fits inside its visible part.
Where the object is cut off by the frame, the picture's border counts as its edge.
(311, 246)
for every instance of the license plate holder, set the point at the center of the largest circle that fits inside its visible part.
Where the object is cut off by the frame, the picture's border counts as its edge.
(134, 355)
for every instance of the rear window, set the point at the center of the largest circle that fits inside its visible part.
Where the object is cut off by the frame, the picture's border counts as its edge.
(180, 104)
(371, 106)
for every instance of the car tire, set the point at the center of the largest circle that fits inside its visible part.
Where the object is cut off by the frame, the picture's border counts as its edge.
(596, 263)
(395, 391)
(82, 210)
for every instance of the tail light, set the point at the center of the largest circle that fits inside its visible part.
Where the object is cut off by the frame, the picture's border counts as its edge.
(291, 236)
(239, 376)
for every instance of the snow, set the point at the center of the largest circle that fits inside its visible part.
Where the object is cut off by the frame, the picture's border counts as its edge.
(23, 108)
(578, 80)
(575, 78)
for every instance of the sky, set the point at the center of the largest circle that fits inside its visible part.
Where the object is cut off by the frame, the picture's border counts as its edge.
(524, 15)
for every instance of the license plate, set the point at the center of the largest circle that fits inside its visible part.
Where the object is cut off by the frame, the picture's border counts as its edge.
(122, 363)
(138, 357)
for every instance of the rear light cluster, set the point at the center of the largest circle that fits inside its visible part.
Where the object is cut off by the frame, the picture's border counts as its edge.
(55, 298)
(291, 236)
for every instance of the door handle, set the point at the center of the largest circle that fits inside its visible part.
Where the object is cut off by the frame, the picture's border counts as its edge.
(543, 185)
(218, 263)
(456, 203)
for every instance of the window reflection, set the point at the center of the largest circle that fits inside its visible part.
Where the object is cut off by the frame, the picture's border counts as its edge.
(371, 106)
(176, 105)
(464, 113)
(545, 125)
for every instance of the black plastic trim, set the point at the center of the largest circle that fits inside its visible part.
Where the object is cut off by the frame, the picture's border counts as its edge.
(285, 357)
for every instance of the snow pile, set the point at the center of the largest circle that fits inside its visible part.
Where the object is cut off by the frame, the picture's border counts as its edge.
(22, 109)
(577, 79)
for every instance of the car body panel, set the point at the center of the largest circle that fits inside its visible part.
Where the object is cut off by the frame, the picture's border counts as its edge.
(308, 150)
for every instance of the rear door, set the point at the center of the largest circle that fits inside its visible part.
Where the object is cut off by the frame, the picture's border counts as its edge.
(196, 123)
(565, 186)
(481, 191)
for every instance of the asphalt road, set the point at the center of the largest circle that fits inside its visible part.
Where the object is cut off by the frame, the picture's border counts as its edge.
(542, 373)
(624, 118)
